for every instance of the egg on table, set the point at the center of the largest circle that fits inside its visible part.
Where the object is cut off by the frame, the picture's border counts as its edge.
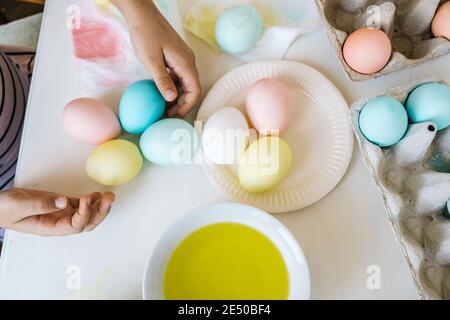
(141, 105)
(169, 142)
(90, 121)
(238, 29)
(269, 105)
(265, 164)
(430, 102)
(114, 163)
(225, 136)
(441, 21)
(367, 50)
(383, 121)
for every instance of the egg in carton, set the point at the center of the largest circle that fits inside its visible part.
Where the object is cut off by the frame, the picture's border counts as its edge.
(407, 23)
(413, 179)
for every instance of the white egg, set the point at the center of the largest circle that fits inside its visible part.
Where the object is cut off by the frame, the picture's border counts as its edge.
(225, 136)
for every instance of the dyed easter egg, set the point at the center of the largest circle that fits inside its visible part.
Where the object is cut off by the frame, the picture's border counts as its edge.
(367, 50)
(265, 164)
(90, 121)
(114, 163)
(430, 102)
(238, 29)
(441, 22)
(383, 121)
(269, 105)
(169, 142)
(141, 105)
(225, 136)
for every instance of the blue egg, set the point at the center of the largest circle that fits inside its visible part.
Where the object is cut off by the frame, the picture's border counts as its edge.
(238, 29)
(430, 102)
(383, 121)
(140, 106)
(169, 142)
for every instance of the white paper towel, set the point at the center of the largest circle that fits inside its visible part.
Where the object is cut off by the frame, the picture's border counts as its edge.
(284, 21)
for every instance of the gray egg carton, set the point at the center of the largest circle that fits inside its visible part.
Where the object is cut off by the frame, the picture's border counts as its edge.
(413, 179)
(406, 22)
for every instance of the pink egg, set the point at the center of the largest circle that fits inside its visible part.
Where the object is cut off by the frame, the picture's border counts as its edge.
(269, 105)
(441, 22)
(367, 50)
(90, 121)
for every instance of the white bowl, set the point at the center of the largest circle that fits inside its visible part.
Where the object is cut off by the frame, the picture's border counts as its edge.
(299, 281)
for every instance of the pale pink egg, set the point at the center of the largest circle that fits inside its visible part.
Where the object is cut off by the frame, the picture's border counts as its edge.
(441, 22)
(90, 121)
(269, 105)
(367, 50)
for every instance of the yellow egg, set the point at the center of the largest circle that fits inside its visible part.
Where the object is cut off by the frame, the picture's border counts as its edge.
(114, 163)
(265, 164)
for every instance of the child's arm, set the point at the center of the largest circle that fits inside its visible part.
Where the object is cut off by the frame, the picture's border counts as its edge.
(49, 214)
(160, 48)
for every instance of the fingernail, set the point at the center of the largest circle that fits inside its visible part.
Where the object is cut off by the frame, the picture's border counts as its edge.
(170, 95)
(113, 195)
(61, 202)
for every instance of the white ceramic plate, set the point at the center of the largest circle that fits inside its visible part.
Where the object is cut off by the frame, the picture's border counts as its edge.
(319, 135)
(299, 280)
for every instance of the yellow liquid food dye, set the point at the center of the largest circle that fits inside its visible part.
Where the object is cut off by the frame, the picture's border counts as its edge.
(226, 261)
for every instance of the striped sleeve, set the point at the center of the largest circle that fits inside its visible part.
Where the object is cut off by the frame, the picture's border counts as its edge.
(14, 86)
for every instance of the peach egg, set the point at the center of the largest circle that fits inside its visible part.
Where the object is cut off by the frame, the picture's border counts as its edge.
(441, 22)
(269, 105)
(367, 50)
(90, 121)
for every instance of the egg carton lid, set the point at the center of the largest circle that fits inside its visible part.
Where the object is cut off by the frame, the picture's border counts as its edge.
(431, 279)
(407, 24)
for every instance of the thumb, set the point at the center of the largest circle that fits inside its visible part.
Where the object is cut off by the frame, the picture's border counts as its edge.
(163, 80)
(45, 204)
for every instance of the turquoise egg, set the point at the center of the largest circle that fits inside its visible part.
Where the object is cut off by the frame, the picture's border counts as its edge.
(383, 121)
(430, 102)
(169, 142)
(140, 106)
(238, 29)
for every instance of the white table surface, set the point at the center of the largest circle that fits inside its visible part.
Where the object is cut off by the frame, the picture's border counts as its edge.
(342, 235)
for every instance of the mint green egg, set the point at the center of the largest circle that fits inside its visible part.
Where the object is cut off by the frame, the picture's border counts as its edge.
(140, 106)
(430, 102)
(238, 29)
(169, 142)
(383, 121)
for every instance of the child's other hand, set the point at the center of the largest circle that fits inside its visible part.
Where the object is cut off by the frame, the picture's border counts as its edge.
(164, 54)
(49, 214)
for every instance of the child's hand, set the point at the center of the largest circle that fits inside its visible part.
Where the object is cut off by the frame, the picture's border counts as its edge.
(49, 214)
(163, 53)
